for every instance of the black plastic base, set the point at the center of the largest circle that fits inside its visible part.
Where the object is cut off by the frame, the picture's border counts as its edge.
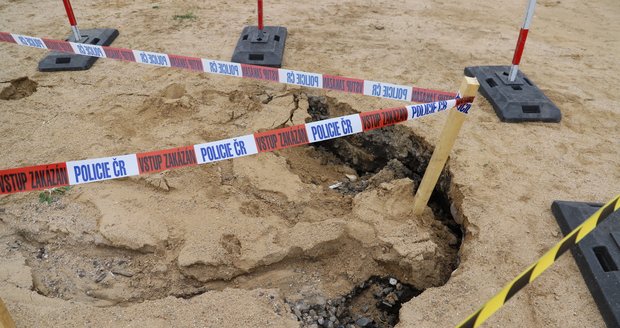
(264, 49)
(518, 101)
(58, 61)
(597, 255)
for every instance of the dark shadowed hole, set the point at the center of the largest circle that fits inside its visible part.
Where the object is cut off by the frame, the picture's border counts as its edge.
(63, 60)
(605, 259)
(95, 41)
(245, 37)
(530, 109)
(277, 38)
(516, 87)
(491, 82)
(376, 302)
(257, 57)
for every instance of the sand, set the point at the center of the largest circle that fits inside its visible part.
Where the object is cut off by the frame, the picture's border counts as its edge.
(225, 245)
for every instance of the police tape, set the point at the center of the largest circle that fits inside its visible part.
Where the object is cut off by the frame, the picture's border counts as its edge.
(50, 176)
(541, 265)
(286, 76)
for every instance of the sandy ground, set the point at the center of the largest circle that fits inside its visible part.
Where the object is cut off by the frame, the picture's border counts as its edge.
(223, 245)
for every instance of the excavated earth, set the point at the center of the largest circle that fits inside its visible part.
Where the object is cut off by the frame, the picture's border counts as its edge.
(338, 214)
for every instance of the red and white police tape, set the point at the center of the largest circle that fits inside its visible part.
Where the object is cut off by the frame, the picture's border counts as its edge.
(312, 80)
(49, 176)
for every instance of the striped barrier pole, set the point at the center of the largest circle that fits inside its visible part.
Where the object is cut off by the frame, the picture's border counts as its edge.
(72, 21)
(532, 272)
(260, 15)
(469, 88)
(516, 59)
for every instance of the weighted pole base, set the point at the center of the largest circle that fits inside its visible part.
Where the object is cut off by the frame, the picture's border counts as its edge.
(263, 48)
(514, 102)
(58, 61)
(597, 255)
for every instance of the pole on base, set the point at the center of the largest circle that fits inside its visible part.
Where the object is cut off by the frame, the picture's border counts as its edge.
(72, 21)
(469, 88)
(516, 59)
(62, 61)
(261, 45)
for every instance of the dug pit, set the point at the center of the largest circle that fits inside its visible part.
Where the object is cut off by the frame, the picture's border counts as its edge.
(329, 226)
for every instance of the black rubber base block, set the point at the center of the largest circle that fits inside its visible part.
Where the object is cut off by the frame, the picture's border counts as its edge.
(58, 61)
(264, 49)
(597, 255)
(514, 102)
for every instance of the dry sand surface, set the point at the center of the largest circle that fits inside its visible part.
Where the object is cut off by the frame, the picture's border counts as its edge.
(233, 244)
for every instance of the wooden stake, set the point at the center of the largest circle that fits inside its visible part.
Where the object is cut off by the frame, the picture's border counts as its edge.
(5, 318)
(468, 88)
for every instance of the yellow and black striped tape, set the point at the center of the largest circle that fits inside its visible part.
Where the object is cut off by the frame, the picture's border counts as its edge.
(541, 265)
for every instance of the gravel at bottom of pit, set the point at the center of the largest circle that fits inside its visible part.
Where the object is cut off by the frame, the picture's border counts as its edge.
(371, 304)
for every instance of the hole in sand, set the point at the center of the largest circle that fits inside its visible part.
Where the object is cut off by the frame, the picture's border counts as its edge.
(336, 251)
(19, 88)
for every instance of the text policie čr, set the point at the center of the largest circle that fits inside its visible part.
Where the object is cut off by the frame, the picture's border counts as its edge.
(303, 79)
(89, 50)
(223, 150)
(390, 91)
(427, 109)
(99, 171)
(224, 68)
(329, 129)
(31, 42)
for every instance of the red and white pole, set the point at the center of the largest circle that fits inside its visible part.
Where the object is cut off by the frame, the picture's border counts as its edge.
(260, 15)
(516, 59)
(72, 21)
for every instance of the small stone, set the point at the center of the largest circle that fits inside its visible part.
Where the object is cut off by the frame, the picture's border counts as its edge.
(314, 325)
(399, 286)
(387, 290)
(363, 322)
(335, 185)
(351, 177)
(297, 312)
(392, 298)
(321, 320)
(123, 272)
(393, 281)
(100, 277)
(365, 308)
(331, 310)
(312, 313)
